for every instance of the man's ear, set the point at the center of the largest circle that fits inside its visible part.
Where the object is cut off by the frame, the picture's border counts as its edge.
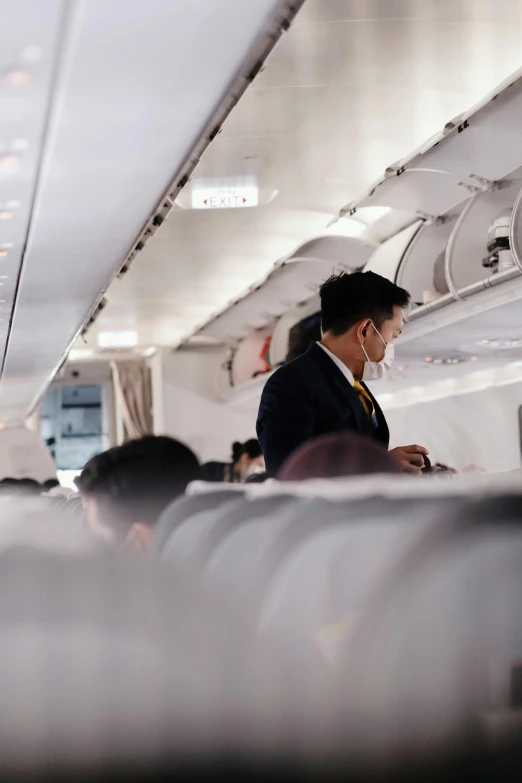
(362, 329)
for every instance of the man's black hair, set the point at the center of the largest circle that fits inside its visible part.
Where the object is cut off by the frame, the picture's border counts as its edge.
(347, 299)
(136, 481)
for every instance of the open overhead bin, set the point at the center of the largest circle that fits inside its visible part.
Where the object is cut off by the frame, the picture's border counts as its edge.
(484, 251)
(486, 143)
(387, 258)
(420, 192)
(292, 281)
(300, 323)
(468, 155)
(422, 268)
(467, 254)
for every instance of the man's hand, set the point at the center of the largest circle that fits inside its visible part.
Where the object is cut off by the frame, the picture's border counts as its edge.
(410, 458)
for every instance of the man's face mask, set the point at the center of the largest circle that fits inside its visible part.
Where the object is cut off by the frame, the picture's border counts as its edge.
(374, 371)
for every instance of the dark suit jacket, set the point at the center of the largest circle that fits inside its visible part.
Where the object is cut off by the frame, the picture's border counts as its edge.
(308, 397)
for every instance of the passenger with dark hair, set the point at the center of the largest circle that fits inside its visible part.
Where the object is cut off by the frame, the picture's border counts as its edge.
(50, 484)
(324, 390)
(126, 488)
(22, 486)
(247, 460)
(337, 455)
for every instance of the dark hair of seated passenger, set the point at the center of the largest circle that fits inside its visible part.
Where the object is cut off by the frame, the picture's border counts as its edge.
(337, 455)
(50, 484)
(22, 486)
(250, 447)
(133, 483)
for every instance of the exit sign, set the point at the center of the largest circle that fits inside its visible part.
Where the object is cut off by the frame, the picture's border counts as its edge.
(224, 197)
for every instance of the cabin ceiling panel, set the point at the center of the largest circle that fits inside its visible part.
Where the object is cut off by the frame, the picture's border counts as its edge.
(137, 84)
(384, 10)
(345, 92)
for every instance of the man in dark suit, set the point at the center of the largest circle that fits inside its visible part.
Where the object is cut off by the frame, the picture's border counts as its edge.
(323, 390)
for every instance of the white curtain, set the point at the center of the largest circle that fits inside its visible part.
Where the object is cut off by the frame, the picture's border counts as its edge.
(133, 388)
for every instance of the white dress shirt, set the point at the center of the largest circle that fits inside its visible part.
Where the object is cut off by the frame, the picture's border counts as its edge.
(343, 368)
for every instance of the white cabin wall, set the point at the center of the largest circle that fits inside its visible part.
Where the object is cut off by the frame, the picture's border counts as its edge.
(187, 405)
(479, 428)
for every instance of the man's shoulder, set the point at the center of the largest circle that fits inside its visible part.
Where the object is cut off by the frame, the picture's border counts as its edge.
(299, 369)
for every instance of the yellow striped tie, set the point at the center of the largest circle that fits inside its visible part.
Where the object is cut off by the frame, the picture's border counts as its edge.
(365, 398)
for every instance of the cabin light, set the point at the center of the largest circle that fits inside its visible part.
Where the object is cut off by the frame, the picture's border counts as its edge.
(9, 160)
(502, 344)
(13, 204)
(6, 245)
(118, 339)
(428, 359)
(6, 215)
(474, 358)
(18, 77)
(3, 253)
(437, 361)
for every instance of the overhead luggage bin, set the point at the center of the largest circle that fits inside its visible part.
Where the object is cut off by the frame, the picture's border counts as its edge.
(515, 231)
(467, 246)
(387, 257)
(281, 334)
(419, 191)
(133, 106)
(417, 268)
(472, 151)
(486, 143)
(291, 282)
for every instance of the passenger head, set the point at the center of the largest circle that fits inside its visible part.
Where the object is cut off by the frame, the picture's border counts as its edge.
(22, 486)
(361, 313)
(247, 459)
(336, 455)
(126, 488)
(50, 484)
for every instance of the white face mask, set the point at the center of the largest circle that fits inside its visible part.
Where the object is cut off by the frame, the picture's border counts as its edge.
(374, 371)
